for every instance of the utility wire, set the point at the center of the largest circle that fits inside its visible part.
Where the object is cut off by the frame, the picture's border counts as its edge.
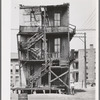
(89, 21)
(86, 18)
(89, 17)
(92, 25)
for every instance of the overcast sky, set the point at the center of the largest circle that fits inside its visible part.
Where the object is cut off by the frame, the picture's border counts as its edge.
(82, 14)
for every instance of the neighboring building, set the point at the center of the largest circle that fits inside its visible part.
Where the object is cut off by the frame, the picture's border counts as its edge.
(43, 45)
(14, 71)
(78, 66)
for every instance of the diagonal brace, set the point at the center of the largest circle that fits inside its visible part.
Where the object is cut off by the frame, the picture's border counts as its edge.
(60, 79)
(59, 76)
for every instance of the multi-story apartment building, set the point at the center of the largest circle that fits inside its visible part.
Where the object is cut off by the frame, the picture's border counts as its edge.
(78, 66)
(14, 70)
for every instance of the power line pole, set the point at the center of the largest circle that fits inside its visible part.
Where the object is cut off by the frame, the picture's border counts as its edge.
(85, 60)
(83, 35)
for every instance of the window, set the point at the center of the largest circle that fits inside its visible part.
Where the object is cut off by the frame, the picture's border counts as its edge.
(57, 47)
(17, 66)
(17, 81)
(17, 76)
(86, 77)
(17, 71)
(86, 67)
(11, 76)
(76, 76)
(86, 73)
(11, 71)
(57, 19)
(76, 65)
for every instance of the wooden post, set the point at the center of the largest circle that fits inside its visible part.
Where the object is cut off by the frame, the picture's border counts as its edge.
(19, 62)
(45, 44)
(68, 58)
(50, 79)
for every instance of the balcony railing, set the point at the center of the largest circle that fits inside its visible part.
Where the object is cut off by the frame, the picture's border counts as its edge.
(41, 56)
(49, 29)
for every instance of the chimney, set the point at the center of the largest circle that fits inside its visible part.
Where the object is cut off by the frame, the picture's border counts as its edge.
(91, 46)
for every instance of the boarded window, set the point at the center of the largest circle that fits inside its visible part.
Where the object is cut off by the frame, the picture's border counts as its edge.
(57, 47)
(35, 20)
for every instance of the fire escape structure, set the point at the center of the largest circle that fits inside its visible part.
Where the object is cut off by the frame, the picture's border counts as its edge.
(44, 48)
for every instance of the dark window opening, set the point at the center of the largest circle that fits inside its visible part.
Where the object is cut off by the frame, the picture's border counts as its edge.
(11, 76)
(86, 67)
(76, 76)
(76, 65)
(17, 77)
(44, 79)
(11, 71)
(17, 71)
(76, 55)
(55, 63)
(86, 77)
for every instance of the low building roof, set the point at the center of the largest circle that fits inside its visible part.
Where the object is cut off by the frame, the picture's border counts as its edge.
(59, 5)
(14, 55)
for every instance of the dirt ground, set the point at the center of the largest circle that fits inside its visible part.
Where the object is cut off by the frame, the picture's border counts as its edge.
(80, 94)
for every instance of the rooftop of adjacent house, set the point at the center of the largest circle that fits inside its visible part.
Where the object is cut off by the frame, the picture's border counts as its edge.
(14, 55)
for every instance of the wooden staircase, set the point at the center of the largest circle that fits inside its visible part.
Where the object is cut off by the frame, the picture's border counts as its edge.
(35, 38)
(35, 53)
(40, 73)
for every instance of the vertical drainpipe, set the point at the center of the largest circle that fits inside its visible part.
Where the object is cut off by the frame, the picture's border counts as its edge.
(68, 53)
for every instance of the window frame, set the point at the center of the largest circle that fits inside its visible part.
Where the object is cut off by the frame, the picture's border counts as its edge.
(58, 19)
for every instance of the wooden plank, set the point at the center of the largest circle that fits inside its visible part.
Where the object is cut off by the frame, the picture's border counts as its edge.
(38, 88)
(58, 67)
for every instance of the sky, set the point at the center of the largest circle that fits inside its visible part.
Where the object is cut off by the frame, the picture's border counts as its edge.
(82, 14)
